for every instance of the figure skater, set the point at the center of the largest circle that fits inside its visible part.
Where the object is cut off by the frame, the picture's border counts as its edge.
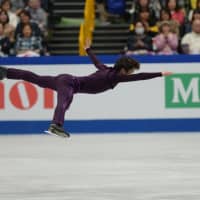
(67, 85)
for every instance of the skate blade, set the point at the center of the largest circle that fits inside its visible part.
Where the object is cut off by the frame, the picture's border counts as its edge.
(63, 135)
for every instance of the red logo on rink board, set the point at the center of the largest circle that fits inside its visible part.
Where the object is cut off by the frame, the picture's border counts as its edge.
(24, 96)
(2, 96)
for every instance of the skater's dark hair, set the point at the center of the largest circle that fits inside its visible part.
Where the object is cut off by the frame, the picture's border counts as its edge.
(127, 63)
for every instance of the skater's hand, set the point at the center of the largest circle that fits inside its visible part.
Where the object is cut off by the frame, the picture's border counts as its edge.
(166, 73)
(87, 43)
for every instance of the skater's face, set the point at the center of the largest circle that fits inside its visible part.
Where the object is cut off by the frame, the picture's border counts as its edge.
(124, 72)
(131, 71)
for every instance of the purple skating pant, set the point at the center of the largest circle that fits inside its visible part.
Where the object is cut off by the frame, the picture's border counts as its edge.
(63, 84)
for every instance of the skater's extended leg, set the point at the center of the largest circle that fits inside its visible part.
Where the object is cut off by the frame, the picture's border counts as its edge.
(42, 81)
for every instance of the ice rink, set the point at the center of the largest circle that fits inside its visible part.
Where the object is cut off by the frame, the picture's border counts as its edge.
(100, 167)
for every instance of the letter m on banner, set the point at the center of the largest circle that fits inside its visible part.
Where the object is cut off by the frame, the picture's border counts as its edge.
(182, 91)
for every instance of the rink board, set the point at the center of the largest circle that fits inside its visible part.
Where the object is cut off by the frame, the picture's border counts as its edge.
(157, 105)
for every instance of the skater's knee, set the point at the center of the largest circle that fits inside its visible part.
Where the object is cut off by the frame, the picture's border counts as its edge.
(62, 107)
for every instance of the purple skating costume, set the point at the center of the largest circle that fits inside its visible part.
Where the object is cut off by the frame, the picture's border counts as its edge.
(67, 85)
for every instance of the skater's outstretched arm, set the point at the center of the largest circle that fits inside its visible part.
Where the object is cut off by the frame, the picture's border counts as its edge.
(93, 57)
(141, 76)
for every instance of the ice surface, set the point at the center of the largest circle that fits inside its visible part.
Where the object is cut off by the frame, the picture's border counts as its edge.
(100, 167)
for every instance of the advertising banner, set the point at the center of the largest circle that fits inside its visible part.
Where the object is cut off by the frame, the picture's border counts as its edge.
(162, 98)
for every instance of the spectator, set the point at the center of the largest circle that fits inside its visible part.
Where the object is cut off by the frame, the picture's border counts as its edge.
(194, 10)
(17, 5)
(112, 11)
(165, 15)
(8, 28)
(28, 45)
(25, 18)
(103, 15)
(188, 26)
(176, 13)
(148, 21)
(166, 42)
(7, 6)
(154, 5)
(139, 42)
(5, 44)
(146, 17)
(184, 5)
(38, 14)
(145, 12)
(190, 43)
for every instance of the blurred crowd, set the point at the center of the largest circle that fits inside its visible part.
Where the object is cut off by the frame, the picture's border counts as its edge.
(156, 26)
(23, 27)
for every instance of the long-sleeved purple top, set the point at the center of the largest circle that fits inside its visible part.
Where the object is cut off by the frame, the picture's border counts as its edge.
(107, 77)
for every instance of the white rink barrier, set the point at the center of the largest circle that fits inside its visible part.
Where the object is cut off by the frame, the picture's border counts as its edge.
(165, 104)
